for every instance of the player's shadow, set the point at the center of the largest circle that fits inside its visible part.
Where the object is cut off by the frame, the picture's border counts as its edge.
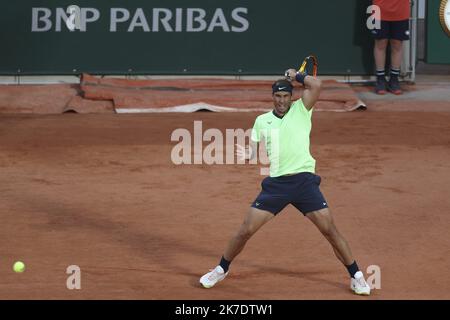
(157, 248)
(314, 276)
(236, 277)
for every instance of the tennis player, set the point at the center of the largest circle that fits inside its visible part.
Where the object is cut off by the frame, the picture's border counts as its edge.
(292, 180)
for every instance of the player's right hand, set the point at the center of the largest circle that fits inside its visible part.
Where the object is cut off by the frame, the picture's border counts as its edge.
(290, 74)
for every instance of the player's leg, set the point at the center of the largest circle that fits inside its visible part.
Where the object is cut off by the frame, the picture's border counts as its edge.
(269, 203)
(308, 198)
(323, 220)
(254, 220)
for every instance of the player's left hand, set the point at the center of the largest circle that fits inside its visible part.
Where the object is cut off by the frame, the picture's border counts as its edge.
(244, 152)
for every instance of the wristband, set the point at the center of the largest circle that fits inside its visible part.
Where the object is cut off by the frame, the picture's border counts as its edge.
(300, 77)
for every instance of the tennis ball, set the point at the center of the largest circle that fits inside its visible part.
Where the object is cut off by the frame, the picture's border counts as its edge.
(19, 267)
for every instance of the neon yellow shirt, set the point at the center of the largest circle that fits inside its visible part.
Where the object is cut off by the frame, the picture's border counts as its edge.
(286, 140)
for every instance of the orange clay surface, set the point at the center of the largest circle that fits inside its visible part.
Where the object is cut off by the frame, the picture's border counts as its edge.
(101, 192)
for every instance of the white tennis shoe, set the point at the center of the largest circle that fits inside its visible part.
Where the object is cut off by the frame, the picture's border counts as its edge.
(211, 278)
(359, 285)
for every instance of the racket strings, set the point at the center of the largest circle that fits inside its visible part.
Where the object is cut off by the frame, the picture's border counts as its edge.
(309, 65)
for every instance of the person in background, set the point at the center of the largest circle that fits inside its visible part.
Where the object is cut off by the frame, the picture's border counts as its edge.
(394, 30)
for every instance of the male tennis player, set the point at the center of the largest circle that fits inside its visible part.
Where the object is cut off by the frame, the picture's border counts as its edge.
(286, 131)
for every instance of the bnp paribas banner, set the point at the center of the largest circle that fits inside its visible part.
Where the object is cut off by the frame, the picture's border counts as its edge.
(183, 37)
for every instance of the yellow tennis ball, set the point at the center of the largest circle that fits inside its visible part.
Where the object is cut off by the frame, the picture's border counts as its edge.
(19, 267)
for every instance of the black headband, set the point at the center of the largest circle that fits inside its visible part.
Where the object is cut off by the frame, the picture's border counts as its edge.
(282, 86)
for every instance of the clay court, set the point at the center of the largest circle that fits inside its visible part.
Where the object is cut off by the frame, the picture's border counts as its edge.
(92, 92)
(100, 191)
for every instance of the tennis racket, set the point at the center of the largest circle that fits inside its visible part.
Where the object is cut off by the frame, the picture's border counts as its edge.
(309, 65)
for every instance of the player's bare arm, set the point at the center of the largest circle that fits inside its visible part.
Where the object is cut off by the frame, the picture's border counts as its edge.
(313, 86)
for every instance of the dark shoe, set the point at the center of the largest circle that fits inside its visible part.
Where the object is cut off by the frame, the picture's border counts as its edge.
(380, 87)
(394, 86)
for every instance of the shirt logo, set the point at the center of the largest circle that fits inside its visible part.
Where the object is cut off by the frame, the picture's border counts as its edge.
(269, 122)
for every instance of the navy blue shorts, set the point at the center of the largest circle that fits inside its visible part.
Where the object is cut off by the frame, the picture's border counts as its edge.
(397, 30)
(301, 190)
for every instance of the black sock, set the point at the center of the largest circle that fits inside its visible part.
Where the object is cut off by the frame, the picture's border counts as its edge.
(395, 73)
(380, 74)
(352, 269)
(225, 264)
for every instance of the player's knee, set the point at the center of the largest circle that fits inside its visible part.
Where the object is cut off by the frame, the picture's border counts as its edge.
(245, 232)
(330, 231)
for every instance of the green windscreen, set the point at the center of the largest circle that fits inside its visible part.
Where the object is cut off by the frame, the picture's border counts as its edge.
(226, 37)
